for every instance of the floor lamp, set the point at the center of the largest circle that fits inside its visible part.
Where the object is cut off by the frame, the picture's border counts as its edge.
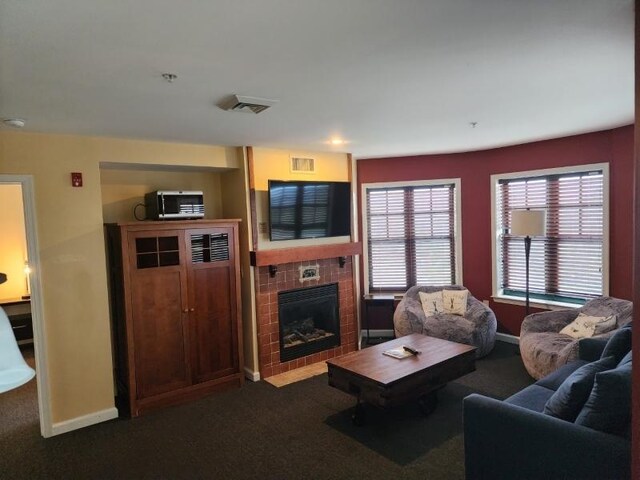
(14, 371)
(527, 224)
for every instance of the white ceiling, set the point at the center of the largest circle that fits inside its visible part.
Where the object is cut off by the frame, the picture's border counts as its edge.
(393, 77)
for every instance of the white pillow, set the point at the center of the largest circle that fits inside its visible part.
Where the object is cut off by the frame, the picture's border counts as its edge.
(431, 302)
(587, 326)
(455, 301)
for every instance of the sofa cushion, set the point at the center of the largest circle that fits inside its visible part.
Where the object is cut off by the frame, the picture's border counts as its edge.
(618, 345)
(625, 359)
(608, 407)
(534, 397)
(555, 379)
(568, 400)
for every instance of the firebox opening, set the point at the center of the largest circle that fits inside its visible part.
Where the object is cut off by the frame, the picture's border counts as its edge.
(309, 321)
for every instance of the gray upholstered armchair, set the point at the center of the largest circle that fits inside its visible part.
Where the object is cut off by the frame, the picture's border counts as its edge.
(477, 327)
(544, 349)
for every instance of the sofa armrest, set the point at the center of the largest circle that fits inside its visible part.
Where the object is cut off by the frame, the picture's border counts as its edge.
(590, 349)
(503, 441)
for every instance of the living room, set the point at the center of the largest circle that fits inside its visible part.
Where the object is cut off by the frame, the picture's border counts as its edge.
(232, 158)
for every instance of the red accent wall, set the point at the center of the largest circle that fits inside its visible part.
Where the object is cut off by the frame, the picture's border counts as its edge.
(475, 170)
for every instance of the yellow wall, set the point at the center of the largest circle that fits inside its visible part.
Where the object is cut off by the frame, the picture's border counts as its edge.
(235, 204)
(122, 190)
(72, 253)
(274, 164)
(13, 244)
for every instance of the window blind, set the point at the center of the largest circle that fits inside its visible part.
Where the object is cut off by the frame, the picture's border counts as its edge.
(410, 236)
(566, 264)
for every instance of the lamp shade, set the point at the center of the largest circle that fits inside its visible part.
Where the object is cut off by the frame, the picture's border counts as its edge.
(528, 223)
(14, 371)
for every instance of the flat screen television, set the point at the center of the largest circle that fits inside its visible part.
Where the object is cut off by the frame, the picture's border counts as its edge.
(309, 209)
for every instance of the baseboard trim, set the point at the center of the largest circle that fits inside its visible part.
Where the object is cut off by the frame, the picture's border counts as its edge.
(251, 375)
(84, 421)
(505, 337)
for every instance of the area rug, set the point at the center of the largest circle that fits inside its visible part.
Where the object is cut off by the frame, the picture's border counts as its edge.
(298, 374)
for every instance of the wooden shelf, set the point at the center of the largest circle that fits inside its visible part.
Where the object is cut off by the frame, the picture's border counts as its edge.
(261, 258)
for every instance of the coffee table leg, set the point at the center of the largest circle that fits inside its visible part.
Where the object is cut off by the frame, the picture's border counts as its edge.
(428, 402)
(358, 415)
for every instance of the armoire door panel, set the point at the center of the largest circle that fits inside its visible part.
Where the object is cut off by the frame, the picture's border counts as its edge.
(214, 330)
(160, 332)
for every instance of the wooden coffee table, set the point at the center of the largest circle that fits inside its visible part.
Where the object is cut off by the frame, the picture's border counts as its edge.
(385, 381)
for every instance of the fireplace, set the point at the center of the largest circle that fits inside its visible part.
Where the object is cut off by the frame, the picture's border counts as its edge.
(309, 320)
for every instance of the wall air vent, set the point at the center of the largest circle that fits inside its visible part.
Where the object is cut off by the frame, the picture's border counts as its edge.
(241, 103)
(303, 165)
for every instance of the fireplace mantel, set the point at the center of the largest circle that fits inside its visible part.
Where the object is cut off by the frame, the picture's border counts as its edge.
(261, 258)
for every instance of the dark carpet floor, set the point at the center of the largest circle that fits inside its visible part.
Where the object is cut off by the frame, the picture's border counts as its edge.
(303, 430)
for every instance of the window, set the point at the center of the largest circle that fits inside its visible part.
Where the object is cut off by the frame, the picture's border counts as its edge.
(569, 263)
(411, 233)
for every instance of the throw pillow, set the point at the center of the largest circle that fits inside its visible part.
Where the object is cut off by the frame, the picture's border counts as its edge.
(431, 302)
(625, 359)
(455, 301)
(588, 326)
(618, 345)
(608, 407)
(568, 400)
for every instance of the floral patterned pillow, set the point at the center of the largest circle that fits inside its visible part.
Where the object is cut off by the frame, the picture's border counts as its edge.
(455, 301)
(431, 303)
(588, 326)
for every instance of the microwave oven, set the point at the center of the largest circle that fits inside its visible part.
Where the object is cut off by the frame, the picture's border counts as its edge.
(174, 205)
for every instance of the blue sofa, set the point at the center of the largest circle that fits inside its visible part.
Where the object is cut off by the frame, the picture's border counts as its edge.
(514, 439)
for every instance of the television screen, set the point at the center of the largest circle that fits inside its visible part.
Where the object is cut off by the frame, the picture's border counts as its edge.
(309, 209)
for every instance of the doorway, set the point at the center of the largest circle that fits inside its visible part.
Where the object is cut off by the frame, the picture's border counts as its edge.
(23, 294)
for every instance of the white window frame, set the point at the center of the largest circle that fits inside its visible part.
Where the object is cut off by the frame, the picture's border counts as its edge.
(497, 294)
(416, 183)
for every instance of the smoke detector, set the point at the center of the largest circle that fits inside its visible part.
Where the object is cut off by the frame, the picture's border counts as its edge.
(242, 103)
(14, 122)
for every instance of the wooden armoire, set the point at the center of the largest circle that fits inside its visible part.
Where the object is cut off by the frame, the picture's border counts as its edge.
(175, 304)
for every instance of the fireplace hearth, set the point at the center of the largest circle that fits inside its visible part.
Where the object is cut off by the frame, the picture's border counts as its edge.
(309, 320)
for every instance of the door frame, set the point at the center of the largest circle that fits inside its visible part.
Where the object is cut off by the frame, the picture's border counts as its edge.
(37, 311)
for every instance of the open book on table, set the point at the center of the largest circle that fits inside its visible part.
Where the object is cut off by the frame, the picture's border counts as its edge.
(398, 352)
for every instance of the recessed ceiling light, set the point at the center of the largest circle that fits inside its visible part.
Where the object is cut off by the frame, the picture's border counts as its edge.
(14, 122)
(337, 141)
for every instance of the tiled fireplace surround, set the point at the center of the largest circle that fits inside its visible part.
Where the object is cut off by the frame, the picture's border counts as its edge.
(288, 278)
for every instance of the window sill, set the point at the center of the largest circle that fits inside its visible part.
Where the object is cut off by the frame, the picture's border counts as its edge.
(543, 304)
(383, 296)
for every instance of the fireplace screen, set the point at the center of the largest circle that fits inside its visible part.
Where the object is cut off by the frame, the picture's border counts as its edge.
(309, 321)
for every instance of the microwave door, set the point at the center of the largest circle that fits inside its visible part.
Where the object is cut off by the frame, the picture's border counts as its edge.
(169, 205)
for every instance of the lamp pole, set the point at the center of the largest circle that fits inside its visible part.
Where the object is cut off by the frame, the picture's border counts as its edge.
(527, 251)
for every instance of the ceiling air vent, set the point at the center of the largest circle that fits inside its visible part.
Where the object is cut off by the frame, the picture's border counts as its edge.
(241, 103)
(303, 165)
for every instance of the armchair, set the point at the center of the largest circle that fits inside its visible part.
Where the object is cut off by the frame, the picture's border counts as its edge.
(477, 327)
